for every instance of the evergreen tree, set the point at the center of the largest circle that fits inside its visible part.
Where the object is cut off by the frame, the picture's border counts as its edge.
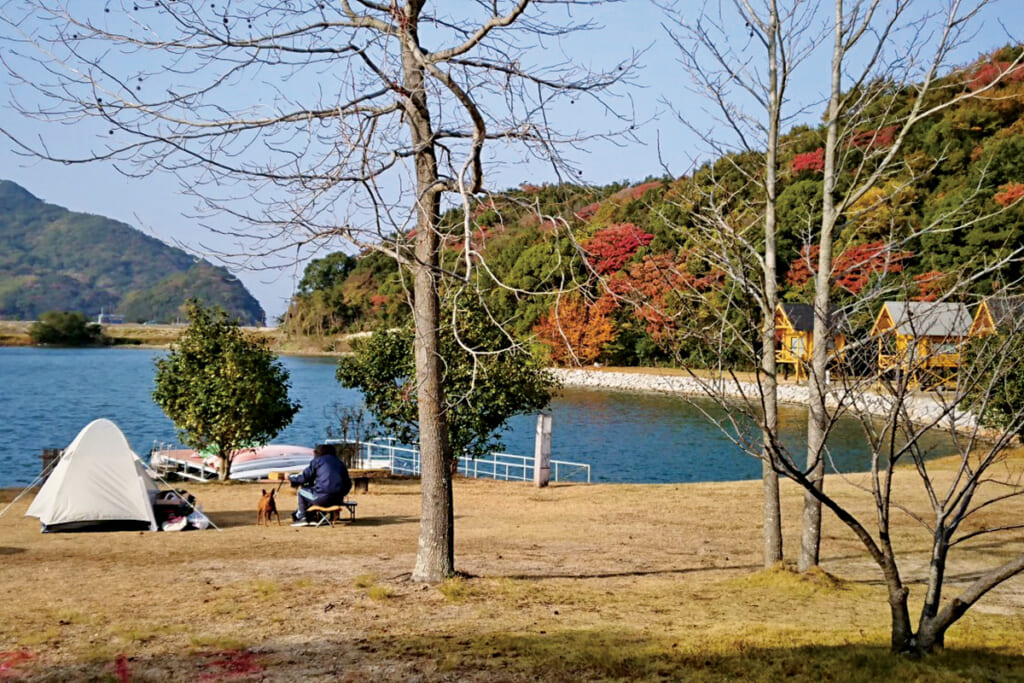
(222, 389)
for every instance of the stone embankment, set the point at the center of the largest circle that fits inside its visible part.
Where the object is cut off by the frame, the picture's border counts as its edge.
(924, 408)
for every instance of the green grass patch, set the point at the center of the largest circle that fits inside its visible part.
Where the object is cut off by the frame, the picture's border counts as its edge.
(455, 590)
(365, 580)
(380, 593)
(266, 588)
(42, 636)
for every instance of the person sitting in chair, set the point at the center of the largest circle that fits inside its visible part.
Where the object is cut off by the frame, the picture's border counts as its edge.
(324, 482)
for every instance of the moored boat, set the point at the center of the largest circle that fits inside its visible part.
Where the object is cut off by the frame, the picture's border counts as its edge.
(247, 464)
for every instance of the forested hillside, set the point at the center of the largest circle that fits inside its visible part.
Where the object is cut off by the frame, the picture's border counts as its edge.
(630, 267)
(55, 259)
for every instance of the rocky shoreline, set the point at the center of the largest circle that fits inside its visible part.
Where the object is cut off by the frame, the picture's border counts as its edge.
(924, 408)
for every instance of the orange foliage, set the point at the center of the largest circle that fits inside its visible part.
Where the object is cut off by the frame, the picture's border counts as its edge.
(655, 288)
(1008, 194)
(929, 285)
(588, 211)
(576, 330)
(611, 248)
(483, 207)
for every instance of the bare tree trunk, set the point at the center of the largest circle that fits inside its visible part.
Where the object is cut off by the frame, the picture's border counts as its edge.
(435, 555)
(817, 419)
(901, 633)
(772, 512)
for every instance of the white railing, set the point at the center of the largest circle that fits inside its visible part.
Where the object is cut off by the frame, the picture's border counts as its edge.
(401, 459)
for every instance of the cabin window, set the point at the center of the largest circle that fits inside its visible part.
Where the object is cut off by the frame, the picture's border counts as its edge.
(796, 346)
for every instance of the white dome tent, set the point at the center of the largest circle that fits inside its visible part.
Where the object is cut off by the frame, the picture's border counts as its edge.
(99, 483)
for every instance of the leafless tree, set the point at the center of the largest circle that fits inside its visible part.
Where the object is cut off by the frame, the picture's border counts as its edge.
(304, 121)
(895, 82)
(887, 64)
(901, 48)
(746, 84)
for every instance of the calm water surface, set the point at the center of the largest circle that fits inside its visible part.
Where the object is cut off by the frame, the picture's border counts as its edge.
(48, 395)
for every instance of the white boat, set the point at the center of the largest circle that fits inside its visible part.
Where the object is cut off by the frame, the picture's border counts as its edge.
(247, 464)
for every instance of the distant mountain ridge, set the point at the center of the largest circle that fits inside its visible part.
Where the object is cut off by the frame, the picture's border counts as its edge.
(56, 259)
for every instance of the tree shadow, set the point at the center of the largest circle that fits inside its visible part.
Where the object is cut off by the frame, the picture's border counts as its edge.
(550, 653)
(389, 520)
(623, 574)
(232, 519)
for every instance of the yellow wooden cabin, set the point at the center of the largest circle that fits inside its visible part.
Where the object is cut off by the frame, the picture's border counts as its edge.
(923, 338)
(794, 334)
(995, 313)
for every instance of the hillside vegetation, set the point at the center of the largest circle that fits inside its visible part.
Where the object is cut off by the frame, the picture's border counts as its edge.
(635, 283)
(59, 260)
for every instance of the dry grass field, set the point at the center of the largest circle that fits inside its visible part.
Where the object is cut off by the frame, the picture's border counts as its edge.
(572, 582)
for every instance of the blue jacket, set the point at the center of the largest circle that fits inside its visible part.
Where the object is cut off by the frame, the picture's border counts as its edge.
(327, 477)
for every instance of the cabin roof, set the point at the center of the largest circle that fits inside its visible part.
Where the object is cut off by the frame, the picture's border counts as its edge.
(928, 318)
(800, 316)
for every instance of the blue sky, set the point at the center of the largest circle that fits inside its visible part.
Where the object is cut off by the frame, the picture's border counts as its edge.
(156, 206)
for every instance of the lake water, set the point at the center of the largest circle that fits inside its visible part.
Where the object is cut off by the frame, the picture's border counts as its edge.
(48, 395)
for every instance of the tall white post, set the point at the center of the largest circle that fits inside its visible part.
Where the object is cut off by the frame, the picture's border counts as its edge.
(542, 451)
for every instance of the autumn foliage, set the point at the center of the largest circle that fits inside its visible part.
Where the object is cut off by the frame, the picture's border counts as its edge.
(588, 211)
(1008, 194)
(929, 285)
(809, 161)
(637, 191)
(576, 330)
(656, 288)
(852, 270)
(988, 73)
(874, 139)
(609, 249)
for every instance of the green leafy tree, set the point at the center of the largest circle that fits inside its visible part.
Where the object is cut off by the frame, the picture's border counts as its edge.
(223, 390)
(66, 328)
(487, 379)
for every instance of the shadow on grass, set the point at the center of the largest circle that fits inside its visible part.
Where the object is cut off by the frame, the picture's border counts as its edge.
(542, 576)
(570, 655)
(240, 518)
(10, 551)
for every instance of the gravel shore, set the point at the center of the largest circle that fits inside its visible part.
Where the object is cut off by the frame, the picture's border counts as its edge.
(924, 408)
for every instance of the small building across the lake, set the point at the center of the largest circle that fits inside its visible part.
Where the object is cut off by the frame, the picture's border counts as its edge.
(794, 334)
(996, 313)
(923, 338)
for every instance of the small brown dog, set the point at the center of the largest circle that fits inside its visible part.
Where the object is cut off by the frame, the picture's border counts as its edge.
(267, 507)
